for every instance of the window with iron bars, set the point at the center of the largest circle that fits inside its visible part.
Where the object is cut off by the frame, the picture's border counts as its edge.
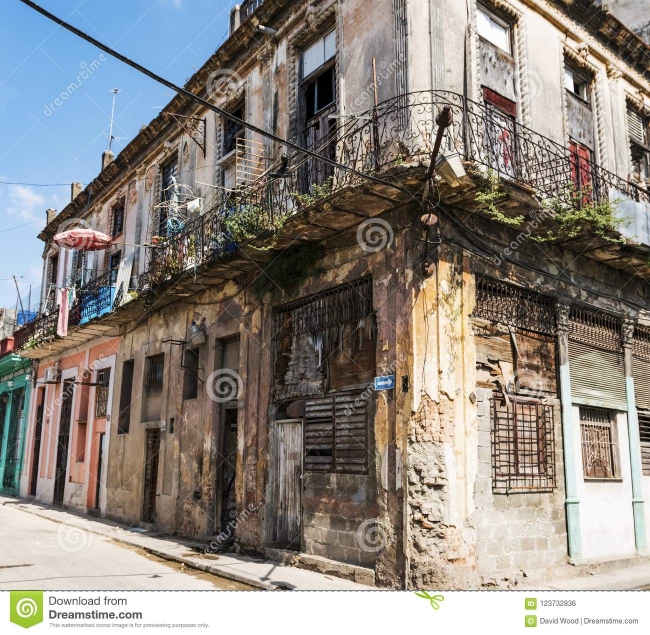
(599, 443)
(101, 393)
(117, 224)
(523, 445)
(155, 373)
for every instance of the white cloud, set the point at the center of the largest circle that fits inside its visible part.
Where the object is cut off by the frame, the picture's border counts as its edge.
(23, 202)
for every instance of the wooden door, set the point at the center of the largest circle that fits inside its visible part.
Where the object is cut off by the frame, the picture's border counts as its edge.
(38, 434)
(150, 476)
(64, 442)
(581, 169)
(288, 520)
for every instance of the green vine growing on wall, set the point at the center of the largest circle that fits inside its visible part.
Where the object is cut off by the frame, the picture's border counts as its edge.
(579, 213)
(288, 269)
(489, 194)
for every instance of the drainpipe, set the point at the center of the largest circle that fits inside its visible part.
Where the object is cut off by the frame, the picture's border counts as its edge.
(635, 441)
(568, 432)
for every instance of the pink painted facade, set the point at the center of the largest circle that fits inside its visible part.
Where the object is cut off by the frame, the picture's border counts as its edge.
(71, 469)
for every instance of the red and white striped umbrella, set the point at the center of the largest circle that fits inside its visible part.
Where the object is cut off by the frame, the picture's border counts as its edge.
(83, 240)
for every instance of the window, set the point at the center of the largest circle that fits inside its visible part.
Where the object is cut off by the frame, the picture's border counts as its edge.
(639, 133)
(155, 371)
(232, 130)
(494, 30)
(599, 443)
(191, 374)
(54, 269)
(523, 446)
(336, 434)
(117, 225)
(576, 83)
(319, 88)
(126, 390)
(644, 432)
(114, 265)
(82, 430)
(169, 177)
(101, 393)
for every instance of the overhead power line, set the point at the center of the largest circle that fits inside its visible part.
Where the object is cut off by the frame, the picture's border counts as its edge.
(36, 184)
(203, 102)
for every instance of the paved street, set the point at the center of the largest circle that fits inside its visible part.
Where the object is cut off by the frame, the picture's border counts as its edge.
(36, 553)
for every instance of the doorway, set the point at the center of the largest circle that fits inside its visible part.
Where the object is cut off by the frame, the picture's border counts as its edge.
(64, 442)
(150, 475)
(38, 435)
(288, 512)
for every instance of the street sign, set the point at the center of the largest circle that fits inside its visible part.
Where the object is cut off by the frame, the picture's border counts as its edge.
(387, 382)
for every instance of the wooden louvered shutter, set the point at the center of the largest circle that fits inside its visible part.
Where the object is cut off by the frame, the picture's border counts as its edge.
(351, 433)
(635, 127)
(319, 435)
(336, 433)
(641, 374)
(644, 431)
(597, 374)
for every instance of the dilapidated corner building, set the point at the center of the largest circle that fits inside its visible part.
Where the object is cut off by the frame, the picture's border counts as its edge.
(443, 388)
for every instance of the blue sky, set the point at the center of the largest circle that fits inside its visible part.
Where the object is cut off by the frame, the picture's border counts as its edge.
(41, 143)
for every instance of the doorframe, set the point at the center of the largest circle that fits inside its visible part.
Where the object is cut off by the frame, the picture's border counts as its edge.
(68, 374)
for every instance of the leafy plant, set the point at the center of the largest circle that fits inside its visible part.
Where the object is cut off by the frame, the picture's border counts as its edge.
(250, 223)
(288, 269)
(316, 193)
(489, 195)
(580, 213)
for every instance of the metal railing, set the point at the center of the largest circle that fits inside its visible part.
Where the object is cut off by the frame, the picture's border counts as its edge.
(39, 331)
(396, 132)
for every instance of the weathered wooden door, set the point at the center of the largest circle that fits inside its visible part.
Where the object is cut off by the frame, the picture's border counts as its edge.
(150, 476)
(64, 442)
(288, 519)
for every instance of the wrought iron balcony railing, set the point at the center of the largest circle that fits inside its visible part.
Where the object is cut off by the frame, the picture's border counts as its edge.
(37, 332)
(398, 131)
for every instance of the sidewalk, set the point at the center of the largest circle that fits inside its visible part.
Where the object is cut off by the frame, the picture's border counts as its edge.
(623, 579)
(261, 574)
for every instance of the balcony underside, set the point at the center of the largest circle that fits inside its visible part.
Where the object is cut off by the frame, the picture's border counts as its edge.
(304, 200)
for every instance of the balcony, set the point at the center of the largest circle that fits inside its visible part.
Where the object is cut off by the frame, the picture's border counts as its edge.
(95, 299)
(392, 141)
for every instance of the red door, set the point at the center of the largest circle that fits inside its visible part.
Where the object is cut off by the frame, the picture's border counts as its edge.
(581, 167)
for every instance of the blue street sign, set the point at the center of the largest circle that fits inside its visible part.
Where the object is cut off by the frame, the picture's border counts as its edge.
(385, 383)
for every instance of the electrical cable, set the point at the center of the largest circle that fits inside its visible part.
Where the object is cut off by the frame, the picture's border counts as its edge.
(206, 104)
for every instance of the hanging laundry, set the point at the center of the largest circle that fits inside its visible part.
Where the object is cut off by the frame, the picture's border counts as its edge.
(64, 310)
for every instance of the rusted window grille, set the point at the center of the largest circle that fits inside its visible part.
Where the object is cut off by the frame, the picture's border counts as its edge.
(641, 342)
(101, 394)
(513, 306)
(644, 431)
(155, 372)
(596, 329)
(523, 445)
(599, 451)
(325, 310)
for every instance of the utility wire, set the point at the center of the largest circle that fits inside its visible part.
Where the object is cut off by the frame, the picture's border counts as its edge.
(36, 184)
(203, 102)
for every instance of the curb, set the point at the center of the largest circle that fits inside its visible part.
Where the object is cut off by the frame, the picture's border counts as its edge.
(212, 569)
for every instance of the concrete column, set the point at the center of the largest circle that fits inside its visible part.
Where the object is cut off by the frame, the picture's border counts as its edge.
(570, 467)
(635, 441)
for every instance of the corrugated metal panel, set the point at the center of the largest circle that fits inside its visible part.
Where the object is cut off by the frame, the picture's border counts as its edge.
(641, 373)
(597, 375)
